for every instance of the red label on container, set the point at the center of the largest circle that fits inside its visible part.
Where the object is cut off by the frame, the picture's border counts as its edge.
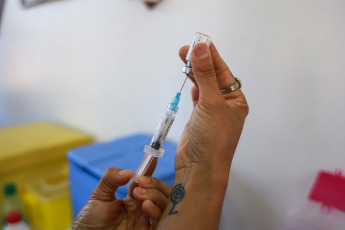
(329, 189)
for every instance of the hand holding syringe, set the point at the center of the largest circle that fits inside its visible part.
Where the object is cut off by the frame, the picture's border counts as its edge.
(155, 148)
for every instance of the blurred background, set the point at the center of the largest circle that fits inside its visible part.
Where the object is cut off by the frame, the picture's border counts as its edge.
(107, 69)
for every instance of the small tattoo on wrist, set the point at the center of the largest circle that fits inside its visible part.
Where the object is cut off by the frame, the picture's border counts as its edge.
(177, 195)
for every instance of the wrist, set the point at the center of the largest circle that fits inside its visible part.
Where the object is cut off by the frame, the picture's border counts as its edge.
(197, 188)
(212, 170)
(204, 175)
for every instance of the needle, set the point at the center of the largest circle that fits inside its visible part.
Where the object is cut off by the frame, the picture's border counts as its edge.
(183, 84)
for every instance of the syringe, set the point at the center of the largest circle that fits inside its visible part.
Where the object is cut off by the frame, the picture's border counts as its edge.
(155, 148)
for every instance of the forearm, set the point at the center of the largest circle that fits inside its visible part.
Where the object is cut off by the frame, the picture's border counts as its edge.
(197, 199)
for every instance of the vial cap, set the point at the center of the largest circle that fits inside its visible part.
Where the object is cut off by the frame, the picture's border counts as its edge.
(13, 217)
(10, 189)
(187, 70)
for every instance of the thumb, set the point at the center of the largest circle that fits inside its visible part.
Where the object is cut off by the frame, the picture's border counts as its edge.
(204, 72)
(110, 181)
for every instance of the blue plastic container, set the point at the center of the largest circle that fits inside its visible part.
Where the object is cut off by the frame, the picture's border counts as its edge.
(87, 165)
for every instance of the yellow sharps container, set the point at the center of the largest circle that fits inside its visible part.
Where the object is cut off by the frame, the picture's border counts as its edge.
(30, 153)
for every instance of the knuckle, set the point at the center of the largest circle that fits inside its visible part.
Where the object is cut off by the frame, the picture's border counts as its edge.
(110, 171)
(244, 105)
(224, 69)
(108, 179)
(206, 70)
(151, 194)
(154, 183)
(246, 109)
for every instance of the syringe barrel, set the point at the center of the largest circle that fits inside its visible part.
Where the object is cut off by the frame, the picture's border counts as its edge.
(155, 150)
(144, 165)
(163, 128)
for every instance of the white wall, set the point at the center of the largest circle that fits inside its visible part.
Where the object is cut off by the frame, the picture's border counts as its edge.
(109, 67)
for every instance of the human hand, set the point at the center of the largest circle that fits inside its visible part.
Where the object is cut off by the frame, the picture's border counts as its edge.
(104, 211)
(205, 151)
(213, 131)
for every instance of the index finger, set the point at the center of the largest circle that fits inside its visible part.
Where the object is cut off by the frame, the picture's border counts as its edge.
(149, 172)
(223, 73)
(149, 182)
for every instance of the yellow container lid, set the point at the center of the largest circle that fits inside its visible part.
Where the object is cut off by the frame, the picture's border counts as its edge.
(33, 144)
(49, 186)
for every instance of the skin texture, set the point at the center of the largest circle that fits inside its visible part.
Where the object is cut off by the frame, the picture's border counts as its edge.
(217, 120)
(202, 164)
(145, 200)
(207, 145)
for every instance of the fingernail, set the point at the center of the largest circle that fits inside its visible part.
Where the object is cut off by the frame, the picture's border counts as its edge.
(141, 191)
(152, 204)
(201, 51)
(129, 201)
(148, 180)
(124, 172)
